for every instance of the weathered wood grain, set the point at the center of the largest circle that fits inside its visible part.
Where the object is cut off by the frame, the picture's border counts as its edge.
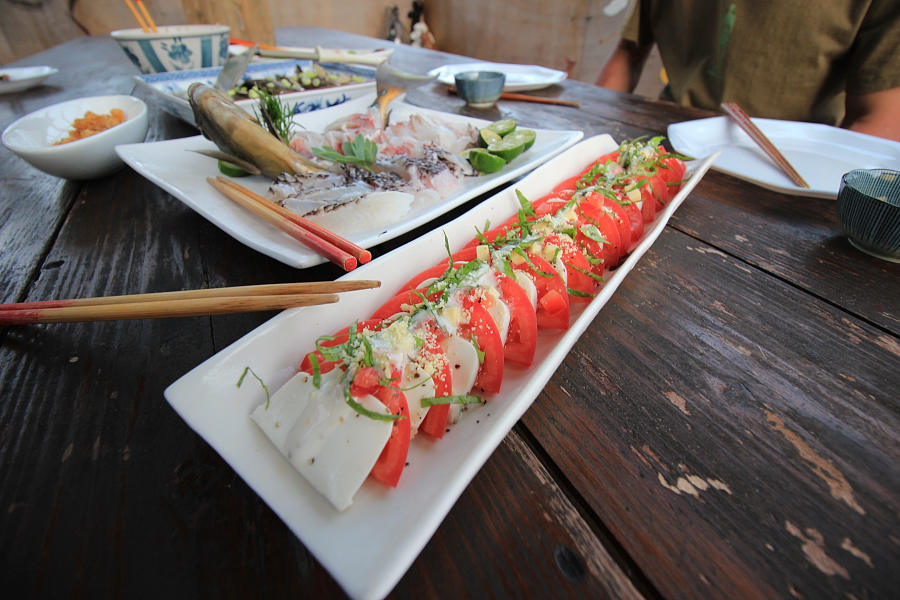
(713, 416)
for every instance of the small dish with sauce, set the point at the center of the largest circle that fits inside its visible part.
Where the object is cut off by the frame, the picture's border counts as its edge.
(33, 137)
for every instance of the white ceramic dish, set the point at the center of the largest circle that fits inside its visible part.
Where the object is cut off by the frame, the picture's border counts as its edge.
(23, 78)
(175, 47)
(168, 91)
(32, 137)
(172, 166)
(519, 78)
(820, 153)
(209, 401)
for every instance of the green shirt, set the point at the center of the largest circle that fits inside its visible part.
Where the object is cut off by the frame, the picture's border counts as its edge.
(781, 59)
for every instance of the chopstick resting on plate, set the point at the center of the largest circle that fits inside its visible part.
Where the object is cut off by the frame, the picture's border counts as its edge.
(217, 301)
(738, 115)
(529, 98)
(338, 250)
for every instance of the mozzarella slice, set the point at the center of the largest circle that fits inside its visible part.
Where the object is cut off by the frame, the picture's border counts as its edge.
(464, 368)
(328, 442)
(417, 384)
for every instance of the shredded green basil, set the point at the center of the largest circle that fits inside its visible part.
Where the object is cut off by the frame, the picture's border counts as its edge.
(467, 399)
(261, 382)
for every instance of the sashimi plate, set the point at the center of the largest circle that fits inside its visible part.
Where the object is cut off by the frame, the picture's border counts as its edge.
(174, 166)
(437, 472)
(820, 153)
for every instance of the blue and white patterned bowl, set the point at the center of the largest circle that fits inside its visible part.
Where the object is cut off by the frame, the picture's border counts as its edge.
(868, 208)
(175, 47)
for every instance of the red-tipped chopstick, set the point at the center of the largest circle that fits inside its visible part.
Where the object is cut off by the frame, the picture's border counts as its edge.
(249, 44)
(183, 303)
(359, 253)
(264, 210)
(744, 122)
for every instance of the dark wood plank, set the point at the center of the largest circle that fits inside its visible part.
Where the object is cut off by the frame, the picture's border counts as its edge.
(715, 417)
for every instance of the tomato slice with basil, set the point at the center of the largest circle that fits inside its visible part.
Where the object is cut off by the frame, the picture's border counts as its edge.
(341, 337)
(552, 298)
(597, 233)
(580, 279)
(521, 338)
(482, 329)
(390, 463)
(435, 422)
(671, 169)
(622, 223)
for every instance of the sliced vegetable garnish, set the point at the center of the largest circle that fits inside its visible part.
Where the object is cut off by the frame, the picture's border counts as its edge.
(261, 382)
(467, 399)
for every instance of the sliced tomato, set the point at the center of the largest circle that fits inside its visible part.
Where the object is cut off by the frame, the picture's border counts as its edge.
(481, 327)
(591, 213)
(521, 338)
(408, 297)
(620, 217)
(340, 337)
(653, 195)
(390, 463)
(672, 170)
(579, 271)
(435, 422)
(553, 301)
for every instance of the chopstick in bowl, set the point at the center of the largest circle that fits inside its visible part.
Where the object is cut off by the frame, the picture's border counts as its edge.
(335, 248)
(743, 120)
(185, 303)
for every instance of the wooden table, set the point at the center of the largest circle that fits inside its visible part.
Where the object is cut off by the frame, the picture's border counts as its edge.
(728, 427)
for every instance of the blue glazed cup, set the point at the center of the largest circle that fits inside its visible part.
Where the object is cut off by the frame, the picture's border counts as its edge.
(480, 89)
(868, 207)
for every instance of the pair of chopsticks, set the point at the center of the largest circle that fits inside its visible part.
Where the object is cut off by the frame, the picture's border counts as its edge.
(528, 98)
(143, 17)
(738, 115)
(338, 250)
(187, 303)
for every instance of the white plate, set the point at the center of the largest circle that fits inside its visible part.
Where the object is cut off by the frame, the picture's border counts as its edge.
(820, 153)
(169, 90)
(518, 77)
(400, 520)
(183, 174)
(22, 78)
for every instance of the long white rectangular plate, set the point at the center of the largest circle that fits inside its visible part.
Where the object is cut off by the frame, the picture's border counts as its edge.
(169, 90)
(820, 153)
(438, 472)
(172, 166)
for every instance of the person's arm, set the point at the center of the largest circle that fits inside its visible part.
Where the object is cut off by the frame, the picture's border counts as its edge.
(623, 69)
(877, 113)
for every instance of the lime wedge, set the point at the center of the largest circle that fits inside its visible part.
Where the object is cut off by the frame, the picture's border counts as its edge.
(485, 162)
(513, 144)
(486, 137)
(231, 169)
(502, 127)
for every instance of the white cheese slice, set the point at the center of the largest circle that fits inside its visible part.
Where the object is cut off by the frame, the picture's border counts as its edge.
(417, 384)
(328, 442)
(464, 365)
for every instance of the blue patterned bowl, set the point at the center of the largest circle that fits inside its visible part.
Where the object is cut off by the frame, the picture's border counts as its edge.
(868, 207)
(175, 47)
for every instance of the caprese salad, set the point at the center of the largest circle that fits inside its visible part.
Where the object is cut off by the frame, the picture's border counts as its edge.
(441, 343)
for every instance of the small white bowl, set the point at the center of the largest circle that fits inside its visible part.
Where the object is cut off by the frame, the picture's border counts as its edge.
(175, 47)
(32, 137)
(22, 78)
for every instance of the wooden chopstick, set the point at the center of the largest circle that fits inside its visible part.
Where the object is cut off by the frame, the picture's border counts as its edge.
(248, 43)
(529, 98)
(738, 115)
(184, 303)
(137, 16)
(359, 253)
(268, 289)
(153, 310)
(146, 14)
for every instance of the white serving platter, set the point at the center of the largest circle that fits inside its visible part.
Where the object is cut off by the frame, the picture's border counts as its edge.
(174, 167)
(519, 78)
(23, 78)
(209, 401)
(168, 91)
(820, 153)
